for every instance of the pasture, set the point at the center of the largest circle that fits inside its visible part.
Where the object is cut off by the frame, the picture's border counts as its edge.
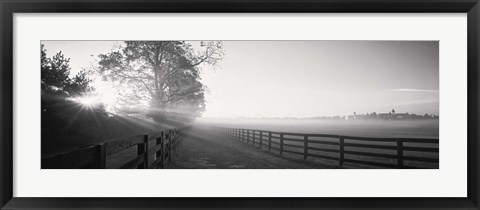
(328, 149)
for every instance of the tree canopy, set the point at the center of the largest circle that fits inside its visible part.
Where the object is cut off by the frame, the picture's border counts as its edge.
(164, 75)
(64, 119)
(55, 75)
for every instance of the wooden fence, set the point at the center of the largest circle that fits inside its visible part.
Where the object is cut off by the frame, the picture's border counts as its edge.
(345, 149)
(95, 156)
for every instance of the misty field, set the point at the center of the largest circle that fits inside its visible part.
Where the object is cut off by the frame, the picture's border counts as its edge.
(363, 128)
(359, 128)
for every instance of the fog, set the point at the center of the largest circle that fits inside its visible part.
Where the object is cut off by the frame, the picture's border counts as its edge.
(428, 128)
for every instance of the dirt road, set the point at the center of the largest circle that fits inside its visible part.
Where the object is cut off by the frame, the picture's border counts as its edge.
(208, 148)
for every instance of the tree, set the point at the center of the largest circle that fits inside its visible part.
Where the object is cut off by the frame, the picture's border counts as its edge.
(164, 74)
(55, 76)
(57, 87)
(64, 119)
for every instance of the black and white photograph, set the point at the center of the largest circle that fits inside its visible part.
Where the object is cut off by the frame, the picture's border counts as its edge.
(238, 104)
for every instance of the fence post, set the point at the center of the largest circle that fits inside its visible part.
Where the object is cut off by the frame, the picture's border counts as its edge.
(281, 143)
(400, 153)
(158, 142)
(269, 141)
(261, 138)
(341, 149)
(159, 153)
(255, 135)
(169, 145)
(147, 154)
(305, 147)
(248, 136)
(253, 138)
(141, 150)
(174, 140)
(163, 150)
(102, 156)
(243, 135)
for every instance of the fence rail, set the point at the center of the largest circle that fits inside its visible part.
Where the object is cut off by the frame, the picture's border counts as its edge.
(368, 151)
(95, 156)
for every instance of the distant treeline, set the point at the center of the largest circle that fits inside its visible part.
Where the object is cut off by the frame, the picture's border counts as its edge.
(368, 116)
(391, 116)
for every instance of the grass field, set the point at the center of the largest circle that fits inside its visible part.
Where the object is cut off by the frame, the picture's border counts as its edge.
(123, 126)
(367, 128)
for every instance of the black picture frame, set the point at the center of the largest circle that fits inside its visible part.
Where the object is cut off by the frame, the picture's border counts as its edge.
(9, 7)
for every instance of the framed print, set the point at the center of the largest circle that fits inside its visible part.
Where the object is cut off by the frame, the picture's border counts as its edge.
(239, 105)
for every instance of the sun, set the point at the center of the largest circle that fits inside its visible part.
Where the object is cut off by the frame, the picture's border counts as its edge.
(104, 94)
(107, 94)
(89, 100)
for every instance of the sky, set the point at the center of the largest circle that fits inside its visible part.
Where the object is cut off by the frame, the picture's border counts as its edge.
(305, 78)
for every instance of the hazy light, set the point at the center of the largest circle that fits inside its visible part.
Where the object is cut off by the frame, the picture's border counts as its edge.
(107, 94)
(104, 94)
(88, 101)
(297, 78)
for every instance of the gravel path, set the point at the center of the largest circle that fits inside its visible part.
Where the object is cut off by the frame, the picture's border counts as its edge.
(208, 148)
